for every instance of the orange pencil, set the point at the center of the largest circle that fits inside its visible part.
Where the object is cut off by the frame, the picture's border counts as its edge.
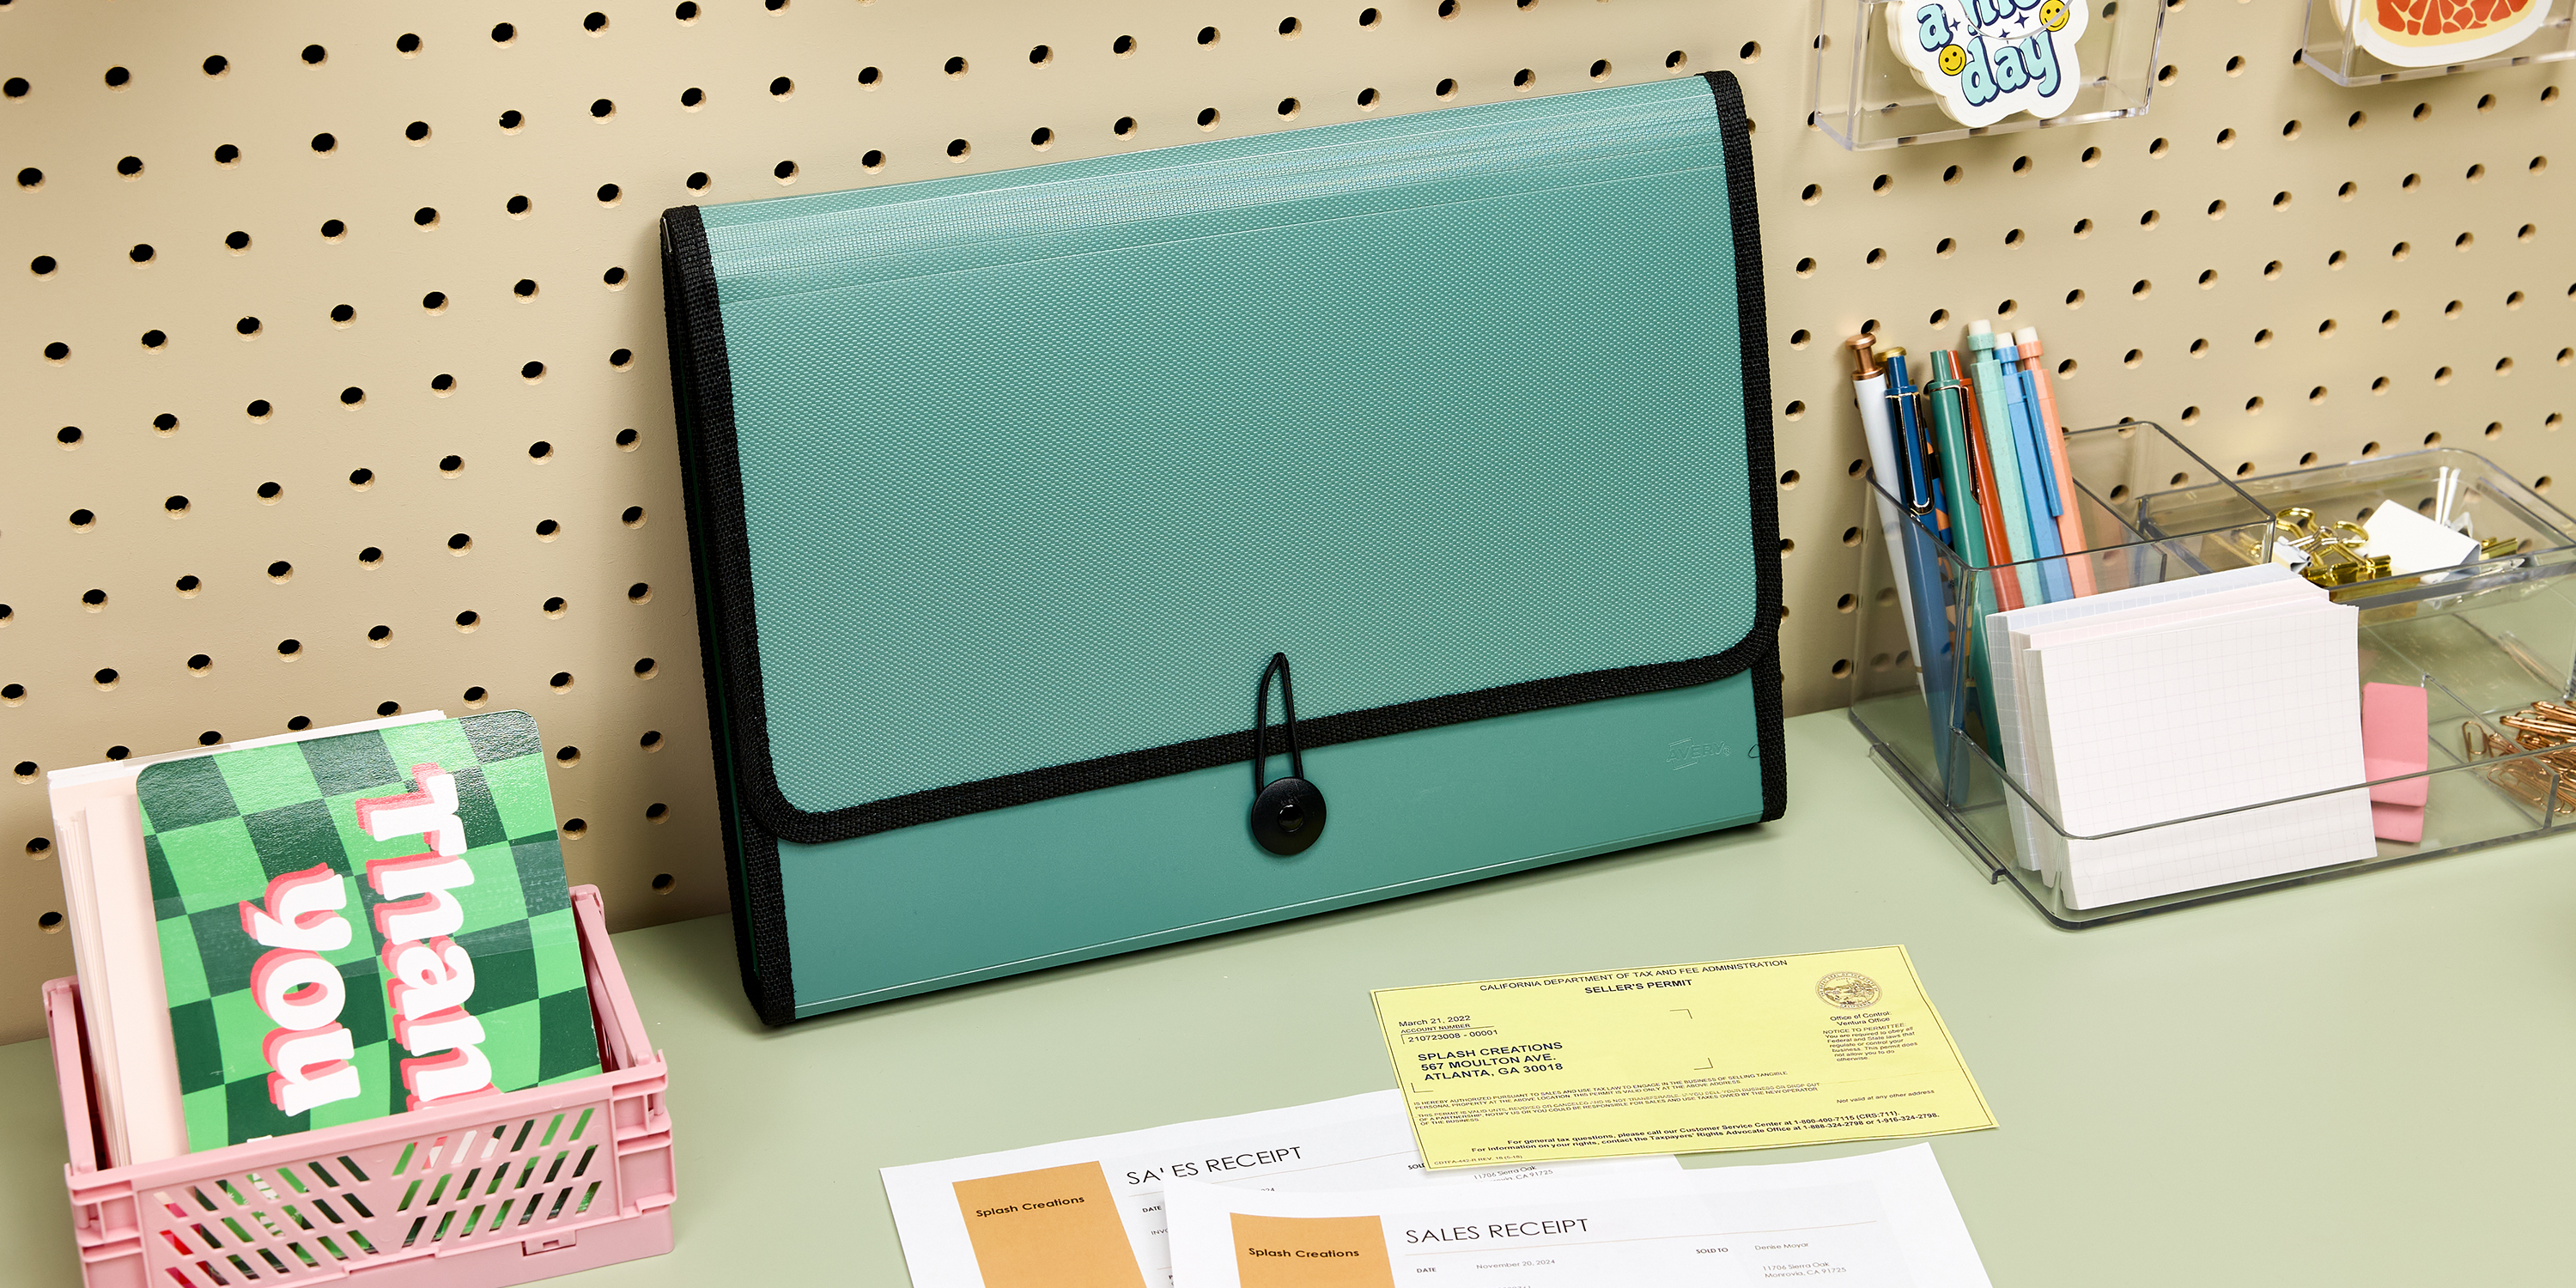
(1998, 544)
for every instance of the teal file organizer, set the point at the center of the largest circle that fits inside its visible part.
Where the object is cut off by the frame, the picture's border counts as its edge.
(1005, 489)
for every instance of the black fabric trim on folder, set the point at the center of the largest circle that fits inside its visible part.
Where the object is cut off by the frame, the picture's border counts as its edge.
(1753, 329)
(723, 547)
(702, 390)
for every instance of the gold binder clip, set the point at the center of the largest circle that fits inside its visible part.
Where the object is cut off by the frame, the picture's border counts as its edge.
(2498, 547)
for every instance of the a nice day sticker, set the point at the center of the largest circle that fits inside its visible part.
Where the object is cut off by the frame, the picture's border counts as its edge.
(1987, 59)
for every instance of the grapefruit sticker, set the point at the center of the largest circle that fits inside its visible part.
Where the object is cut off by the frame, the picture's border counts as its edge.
(2434, 33)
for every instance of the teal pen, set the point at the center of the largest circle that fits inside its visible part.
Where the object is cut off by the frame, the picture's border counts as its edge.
(1944, 397)
(1987, 379)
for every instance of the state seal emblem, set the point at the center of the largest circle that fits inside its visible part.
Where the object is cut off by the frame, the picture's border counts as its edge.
(1848, 989)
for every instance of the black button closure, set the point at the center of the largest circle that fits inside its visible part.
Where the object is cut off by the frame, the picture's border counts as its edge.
(1288, 814)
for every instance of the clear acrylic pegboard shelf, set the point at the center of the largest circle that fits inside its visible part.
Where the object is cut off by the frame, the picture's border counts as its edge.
(500, 1190)
(1865, 97)
(2331, 51)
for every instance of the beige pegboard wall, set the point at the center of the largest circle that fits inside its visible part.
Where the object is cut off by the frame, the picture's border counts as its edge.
(514, 143)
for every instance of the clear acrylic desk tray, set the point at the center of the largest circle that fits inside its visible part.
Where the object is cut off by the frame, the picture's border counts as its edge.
(2485, 641)
(2334, 52)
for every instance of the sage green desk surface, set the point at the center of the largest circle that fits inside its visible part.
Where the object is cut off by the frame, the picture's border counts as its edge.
(2357, 1083)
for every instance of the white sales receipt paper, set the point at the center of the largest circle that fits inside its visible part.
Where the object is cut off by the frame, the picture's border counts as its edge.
(1089, 1213)
(1882, 1220)
(1804, 1049)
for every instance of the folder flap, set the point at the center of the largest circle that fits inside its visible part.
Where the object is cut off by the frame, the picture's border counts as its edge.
(1007, 486)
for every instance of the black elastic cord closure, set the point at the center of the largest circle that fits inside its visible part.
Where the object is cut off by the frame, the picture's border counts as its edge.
(1287, 723)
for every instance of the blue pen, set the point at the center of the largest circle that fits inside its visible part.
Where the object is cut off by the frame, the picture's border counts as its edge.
(2038, 492)
(2047, 465)
(1915, 490)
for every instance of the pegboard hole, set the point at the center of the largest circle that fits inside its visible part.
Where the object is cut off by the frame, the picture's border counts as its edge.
(548, 529)
(83, 521)
(2272, 271)
(2327, 327)
(451, 466)
(2464, 241)
(2541, 484)
(1842, 667)
(960, 149)
(614, 279)
(1950, 174)
(343, 315)
(175, 505)
(2524, 233)
(626, 440)
(388, 708)
(639, 593)
(1794, 410)
(2075, 298)
(51, 923)
(782, 87)
(1851, 536)
(370, 557)
(2336, 260)
(1939, 317)
(651, 741)
(2504, 366)
(2013, 237)
(608, 194)
(2280, 200)
(2495, 429)
(2476, 172)
(458, 543)
(1676, 60)
(503, 33)
(2539, 164)
(568, 756)
(646, 668)
(1446, 89)
(1210, 35)
(2090, 156)
(154, 339)
(31, 177)
(2290, 130)
(442, 384)
(519, 207)
(555, 606)
(476, 696)
(353, 396)
(954, 67)
(2133, 357)
(2142, 288)
(2190, 416)
(2083, 227)
(1806, 267)
(1945, 247)
(2244, 468)
(2411, 182)
(26, 769)
(42, 266)
(2318, 394)
(512, 121)
(2227, 138)
(69, 436)
(380, 635)
(1798, 339)
(1787, 481)
(657, 812)
(664, 883)
(2401, 250)
(2263, 338)
(2423, 110)
(2067, 368)
(1525, 78)
(871, 161)
(104, 677)
(632, 517)
(596, 22)
(692, 98)
(1847, 603)
(1207, 118)
(2566, 357)
(2151, 219)
(200, 664)
(2380, 385)
(1876, 257)
(560, 682)
(2159, 147)
(532, 371)
(425, 217)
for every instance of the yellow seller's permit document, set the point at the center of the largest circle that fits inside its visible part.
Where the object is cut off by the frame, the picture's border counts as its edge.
(1804, 1049)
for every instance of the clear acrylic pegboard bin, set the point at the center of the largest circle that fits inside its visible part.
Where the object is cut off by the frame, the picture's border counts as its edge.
(2332, 51)
(2485, 641)
(498, 1190)
(1866, 98)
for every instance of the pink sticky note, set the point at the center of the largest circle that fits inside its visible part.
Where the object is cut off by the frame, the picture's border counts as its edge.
(2397, 822)
(2394, 729)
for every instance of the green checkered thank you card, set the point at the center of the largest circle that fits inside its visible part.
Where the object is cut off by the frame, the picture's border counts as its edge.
(363, 925)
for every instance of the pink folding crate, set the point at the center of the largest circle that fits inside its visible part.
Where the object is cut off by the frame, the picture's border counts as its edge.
(499, 1190)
